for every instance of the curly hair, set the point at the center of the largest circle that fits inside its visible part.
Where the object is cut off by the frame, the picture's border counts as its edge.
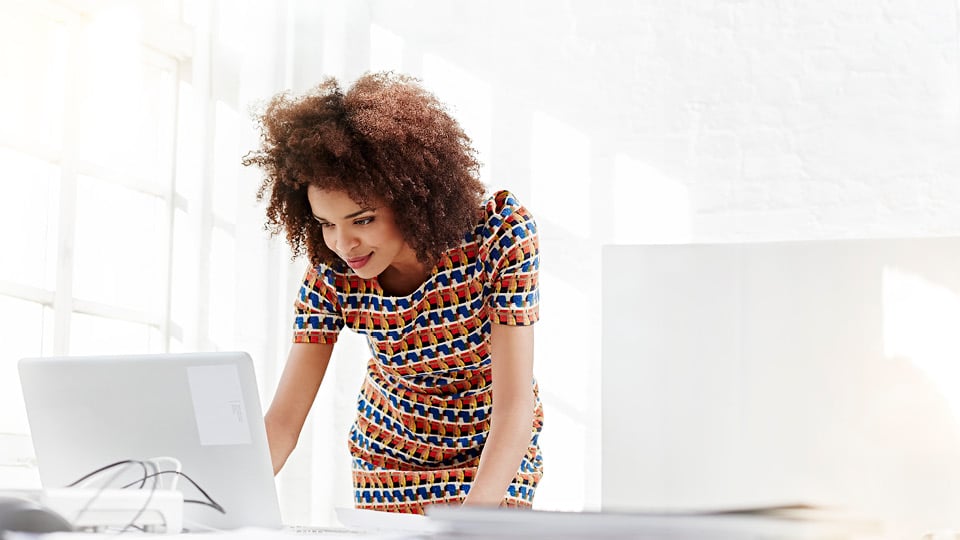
(384, 140)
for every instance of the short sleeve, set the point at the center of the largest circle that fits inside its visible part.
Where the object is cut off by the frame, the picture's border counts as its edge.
(514, 254)
(318, 318)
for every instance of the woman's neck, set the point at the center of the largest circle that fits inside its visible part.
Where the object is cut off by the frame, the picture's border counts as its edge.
(404, 276)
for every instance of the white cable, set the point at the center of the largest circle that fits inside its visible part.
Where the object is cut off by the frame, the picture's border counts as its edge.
(105, 485)
(175, 464)
(95, 477)
(146, 504)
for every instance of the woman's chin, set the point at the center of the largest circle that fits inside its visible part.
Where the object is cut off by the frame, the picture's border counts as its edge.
(365, 273)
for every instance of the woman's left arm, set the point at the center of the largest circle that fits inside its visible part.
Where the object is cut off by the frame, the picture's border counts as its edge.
(511, 361)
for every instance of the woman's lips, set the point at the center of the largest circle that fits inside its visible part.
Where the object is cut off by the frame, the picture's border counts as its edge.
(359, 261)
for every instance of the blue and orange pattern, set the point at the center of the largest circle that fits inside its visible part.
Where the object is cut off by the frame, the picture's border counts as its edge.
(423, 413)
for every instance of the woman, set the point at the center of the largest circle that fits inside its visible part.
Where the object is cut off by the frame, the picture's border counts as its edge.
(378, 186)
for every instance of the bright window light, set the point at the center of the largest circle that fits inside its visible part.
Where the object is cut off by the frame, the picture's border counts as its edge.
(183, 281)
(226, 157)
(113, 99)
(189, 164)
(920, 322)
(22, 324)
(122, 180)
(90, 334)
(29, 208)
(33, 59)
(223, 288)
(120, 246)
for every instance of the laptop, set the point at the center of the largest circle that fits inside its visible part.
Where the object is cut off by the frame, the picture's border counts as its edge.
(201, 408)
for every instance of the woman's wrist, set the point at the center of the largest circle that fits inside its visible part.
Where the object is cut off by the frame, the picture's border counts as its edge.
(478, 498)
(281, 443)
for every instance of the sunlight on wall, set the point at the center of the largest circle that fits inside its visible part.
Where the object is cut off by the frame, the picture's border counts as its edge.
(226, 156)
(32, 108)
(921, 322)
(233, 23)
(115, 111)
(22, 325)
(186, 220)
(386, 49)
(562, 368)
(470, 101)
(560, 174)
(189, 143)
(183, 284)
(649, 207)
(120, 233)
(223, 260)
(334, 39)
(36, 222)
(90, 334)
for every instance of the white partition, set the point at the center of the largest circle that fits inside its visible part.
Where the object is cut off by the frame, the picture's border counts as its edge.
(824, 372)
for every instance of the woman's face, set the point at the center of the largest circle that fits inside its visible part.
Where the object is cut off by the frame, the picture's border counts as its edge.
(365, 237)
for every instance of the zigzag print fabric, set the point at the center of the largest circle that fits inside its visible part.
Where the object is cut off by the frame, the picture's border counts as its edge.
(423, 413)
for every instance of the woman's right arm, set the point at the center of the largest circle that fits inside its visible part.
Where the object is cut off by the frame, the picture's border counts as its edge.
(296, 391)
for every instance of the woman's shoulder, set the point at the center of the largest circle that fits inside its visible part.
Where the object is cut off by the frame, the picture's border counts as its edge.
(503, 207)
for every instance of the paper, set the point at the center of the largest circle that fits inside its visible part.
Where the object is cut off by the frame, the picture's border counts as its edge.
(374, 521)
(218, 405)
(534, 524)
(238, 534)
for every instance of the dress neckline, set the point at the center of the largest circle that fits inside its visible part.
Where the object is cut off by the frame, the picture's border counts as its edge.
(419, 291)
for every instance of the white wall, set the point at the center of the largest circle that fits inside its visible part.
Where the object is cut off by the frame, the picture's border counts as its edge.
(658, 121)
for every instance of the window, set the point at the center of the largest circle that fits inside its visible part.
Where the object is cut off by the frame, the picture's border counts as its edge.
(87, 154)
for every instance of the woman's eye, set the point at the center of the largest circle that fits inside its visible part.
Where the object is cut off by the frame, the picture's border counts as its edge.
(364, 221)
(325, 225)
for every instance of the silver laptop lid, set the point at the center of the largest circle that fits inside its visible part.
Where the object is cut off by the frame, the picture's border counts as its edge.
(200, 408)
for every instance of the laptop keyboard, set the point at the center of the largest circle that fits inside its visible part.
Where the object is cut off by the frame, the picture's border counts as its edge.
(323, 531)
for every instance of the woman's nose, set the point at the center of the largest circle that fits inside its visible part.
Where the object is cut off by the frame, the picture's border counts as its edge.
(345, 241)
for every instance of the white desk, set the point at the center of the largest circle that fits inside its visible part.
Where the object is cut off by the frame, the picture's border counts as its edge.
(451, 523)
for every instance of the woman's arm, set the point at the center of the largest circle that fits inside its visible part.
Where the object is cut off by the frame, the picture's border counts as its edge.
(302, 375)
(511, 361)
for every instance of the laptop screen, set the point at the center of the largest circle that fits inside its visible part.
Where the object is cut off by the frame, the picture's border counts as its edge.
(202, 409)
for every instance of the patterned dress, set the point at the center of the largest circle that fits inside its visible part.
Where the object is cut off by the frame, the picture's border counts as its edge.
(423, 413)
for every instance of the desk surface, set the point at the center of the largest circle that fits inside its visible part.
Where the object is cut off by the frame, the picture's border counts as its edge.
(449, 523)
